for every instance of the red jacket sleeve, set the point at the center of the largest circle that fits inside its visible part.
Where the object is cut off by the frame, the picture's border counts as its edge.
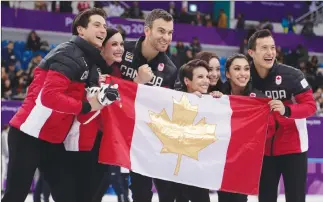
(304, 106)
(54, 95)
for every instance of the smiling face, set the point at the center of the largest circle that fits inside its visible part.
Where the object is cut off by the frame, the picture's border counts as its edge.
(160, 34)
(264, 53)
(95, 32)
(200, 81)
(239, 73)
(214, 74)
(113, 49)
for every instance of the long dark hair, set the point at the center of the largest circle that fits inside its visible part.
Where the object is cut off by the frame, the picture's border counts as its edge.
(227, 86)
(207, 56)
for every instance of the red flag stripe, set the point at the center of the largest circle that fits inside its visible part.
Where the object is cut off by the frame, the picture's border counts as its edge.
(244, 160)
(121, 139)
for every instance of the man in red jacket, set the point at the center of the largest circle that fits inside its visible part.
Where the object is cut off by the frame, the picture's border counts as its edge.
(286, 151)
(54, 98)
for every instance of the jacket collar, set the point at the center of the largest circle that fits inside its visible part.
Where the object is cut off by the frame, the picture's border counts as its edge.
(91, 52)
(138, 51)
(255, 75)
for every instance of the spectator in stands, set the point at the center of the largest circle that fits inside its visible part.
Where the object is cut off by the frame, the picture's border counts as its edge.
(244, 47)
(198, 20)
(302, 53)
(291, 24)
(20, 89)
(126, 13)
(318, 96)
(240, 22)
(313, 65)
(279, 54)
(181, 53)
(44, 46)
(314, 61)
(5, 84)
(288, 24)
(209, 21)
(174, 57)
(40, 5)
(33, 41)
(195, 46)
(31, 66)
(265, 24)
(310, 76)
(114, 9)
(222, 19)
(62, 6)
(11, 73)
(188, 55)
(8, 55)
(184, 16)
(83, 5)
(4, 75)
(308, 29)
(172, 10)
(6, 91)
(135, 11)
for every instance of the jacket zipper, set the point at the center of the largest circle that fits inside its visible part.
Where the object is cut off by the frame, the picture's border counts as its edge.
(273, 139)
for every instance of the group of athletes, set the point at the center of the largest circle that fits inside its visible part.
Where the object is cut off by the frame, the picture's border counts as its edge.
(58, 127)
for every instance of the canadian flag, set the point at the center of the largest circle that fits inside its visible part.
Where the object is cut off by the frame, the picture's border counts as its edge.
(214, 143)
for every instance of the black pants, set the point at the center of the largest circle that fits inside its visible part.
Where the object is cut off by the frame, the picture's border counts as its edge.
(103, 175)
(114, 177)
(171, 191)
(27, 153)
(231, 197)
(141, 187)
(125, 183)
(293, 167)
(41, 187)
(83, 164)
(88, 173)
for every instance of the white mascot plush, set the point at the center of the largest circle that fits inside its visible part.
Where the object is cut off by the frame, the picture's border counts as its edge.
(107, 94)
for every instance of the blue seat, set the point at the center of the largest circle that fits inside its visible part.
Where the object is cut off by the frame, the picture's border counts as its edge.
(52, 46)
(223, 60)
(19, 46)
(222, 71)
(26, 57)
(4, 43)
(18, 55)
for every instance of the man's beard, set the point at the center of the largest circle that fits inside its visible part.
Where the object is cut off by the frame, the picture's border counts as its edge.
(155, 44)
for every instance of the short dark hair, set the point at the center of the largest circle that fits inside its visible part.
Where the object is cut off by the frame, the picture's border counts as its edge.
(110, 33)
(206, 56)
(82, 19)
(187, 70)
(157, 14)
(258, 34)
(232, 58)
